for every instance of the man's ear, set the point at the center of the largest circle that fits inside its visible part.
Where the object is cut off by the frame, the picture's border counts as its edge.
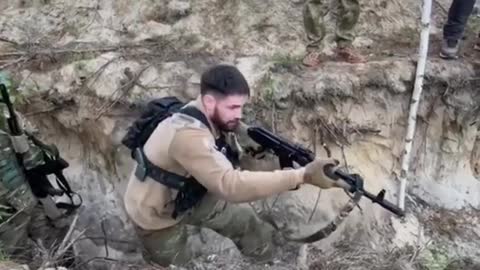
(209, 103)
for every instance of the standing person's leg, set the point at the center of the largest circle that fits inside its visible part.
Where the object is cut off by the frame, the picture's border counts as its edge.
(454, 28)
(313, 13)
(348, 14)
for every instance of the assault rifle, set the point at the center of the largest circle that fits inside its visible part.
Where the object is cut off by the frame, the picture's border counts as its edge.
(52, 162)
(289, 153)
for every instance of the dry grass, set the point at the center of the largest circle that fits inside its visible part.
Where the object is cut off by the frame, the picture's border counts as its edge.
(347, 255)
(452, 224)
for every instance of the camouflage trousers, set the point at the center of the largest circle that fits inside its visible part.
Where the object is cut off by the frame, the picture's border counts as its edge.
(252, 236)
(313, 18)
(16, 199)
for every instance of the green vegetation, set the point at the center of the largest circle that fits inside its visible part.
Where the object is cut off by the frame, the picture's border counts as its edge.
(285, 61)
(3, 255)
(435, 258)
(15, 96)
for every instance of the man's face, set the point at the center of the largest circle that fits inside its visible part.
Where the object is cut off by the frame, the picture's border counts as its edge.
(227, 111)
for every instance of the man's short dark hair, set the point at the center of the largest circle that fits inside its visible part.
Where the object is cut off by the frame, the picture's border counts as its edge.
(224, 80)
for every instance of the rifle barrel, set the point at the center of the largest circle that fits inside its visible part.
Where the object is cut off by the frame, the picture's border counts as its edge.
(374, 198)
(385, 204)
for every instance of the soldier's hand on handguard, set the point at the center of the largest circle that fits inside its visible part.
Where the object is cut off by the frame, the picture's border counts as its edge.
(320, 173)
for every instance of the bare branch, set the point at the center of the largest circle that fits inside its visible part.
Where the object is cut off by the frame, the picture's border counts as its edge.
(12, 217)
(105, 242)
(69, 234)
(14, 43)
(123, 90)
(20, 60)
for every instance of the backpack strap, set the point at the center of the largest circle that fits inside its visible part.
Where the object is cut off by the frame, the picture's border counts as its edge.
(197, 114)
(146, 168)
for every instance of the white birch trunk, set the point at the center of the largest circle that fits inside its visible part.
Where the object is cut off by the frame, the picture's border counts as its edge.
(417, 91)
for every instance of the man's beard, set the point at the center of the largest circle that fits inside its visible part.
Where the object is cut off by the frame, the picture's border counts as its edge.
(224, 126)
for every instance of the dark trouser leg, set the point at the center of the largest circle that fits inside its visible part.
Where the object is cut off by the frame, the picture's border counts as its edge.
(458, 15)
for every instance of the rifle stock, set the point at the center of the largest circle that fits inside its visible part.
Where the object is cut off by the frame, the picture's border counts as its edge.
(288, 153)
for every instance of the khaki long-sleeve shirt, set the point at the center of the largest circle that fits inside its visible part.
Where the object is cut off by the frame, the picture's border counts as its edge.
(183, 145)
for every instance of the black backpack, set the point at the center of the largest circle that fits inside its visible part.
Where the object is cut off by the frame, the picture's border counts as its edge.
(190, 191)
(156, 111)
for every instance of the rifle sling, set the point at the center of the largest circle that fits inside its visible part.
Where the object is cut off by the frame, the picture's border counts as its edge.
(53, 165)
